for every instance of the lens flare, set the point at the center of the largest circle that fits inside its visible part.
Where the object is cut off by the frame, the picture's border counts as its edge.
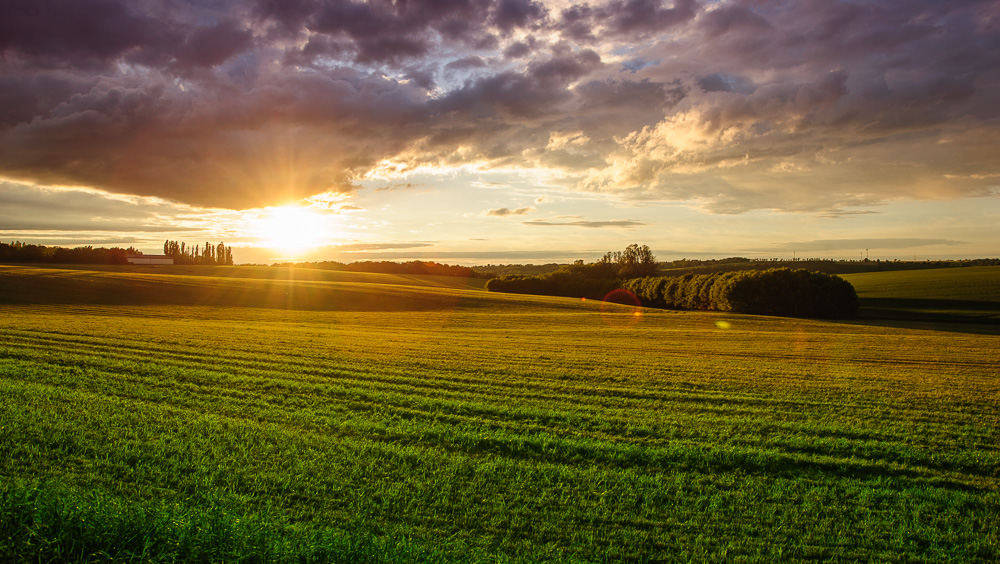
(620, 308)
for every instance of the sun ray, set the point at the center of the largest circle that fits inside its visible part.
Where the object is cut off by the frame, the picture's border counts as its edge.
(293, 230)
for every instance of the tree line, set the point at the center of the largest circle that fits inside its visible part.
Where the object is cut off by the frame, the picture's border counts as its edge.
(17, 251)
(830, 266)
(581, 280)
(776, 291)
(195, 254)
(389, 267)
(180, 252)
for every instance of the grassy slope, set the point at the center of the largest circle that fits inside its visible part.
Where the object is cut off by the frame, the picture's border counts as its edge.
(492, 426)
(256, 287)
(276, 273)
(969, 294)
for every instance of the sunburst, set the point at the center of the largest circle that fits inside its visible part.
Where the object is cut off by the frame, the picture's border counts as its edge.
(293, 230)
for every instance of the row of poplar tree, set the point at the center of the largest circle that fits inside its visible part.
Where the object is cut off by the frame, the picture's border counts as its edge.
(195, 254)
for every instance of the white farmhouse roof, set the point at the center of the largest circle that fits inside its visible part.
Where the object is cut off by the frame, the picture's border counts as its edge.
(149, 259)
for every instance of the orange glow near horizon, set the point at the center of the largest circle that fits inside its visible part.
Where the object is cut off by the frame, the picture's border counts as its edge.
(293, 230)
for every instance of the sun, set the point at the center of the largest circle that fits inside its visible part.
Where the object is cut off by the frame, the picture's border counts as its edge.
(292, 229)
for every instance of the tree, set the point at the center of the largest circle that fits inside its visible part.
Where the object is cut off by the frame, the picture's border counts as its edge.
(636, 262)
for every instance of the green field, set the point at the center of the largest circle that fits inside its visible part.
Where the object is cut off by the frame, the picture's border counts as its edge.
(963, 295)
(264, 414)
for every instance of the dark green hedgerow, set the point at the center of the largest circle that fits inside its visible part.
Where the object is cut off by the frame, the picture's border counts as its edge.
(565, 282)
(778, 291)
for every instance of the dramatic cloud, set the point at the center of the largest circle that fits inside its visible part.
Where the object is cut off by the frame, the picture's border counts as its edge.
(578, 222)
(732, 106)
(502, 212)
(26, 209)
(378, 246)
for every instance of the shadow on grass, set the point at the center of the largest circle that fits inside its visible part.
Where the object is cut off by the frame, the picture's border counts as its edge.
(787, 462)
(959, 316)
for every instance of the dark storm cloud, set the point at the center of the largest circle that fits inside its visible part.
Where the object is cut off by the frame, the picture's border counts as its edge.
(470, 62)
(861, 101)
(518, 96)
(145, 135)
(738, 105)
(27, 209)
(72, 33)
(636, 18)
(511, 14)
(632, 16)
(210, 45)
(519, 49)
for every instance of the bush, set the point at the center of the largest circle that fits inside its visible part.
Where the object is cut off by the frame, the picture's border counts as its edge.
(563, 283)
(778, 291)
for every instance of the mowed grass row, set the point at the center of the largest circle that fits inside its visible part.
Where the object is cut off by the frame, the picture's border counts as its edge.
(510, 432)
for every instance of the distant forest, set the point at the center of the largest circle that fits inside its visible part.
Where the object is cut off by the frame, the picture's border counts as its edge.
(735, 284)
(222, 254)
(180, 252)
(828, 266)
(582, 280)
(24, 252)
(710, 266)
(388, 267)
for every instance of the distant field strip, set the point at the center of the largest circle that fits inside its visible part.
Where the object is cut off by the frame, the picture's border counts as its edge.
(960, 294)
(530, 430)
(379, 293)
(977, 283)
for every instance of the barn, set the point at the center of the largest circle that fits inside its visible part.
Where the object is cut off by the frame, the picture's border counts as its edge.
(149, 259)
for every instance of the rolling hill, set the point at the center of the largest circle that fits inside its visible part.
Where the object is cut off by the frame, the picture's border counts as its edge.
(214, 415)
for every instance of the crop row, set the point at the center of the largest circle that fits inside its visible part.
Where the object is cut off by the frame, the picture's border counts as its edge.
(419, 389)
(534, 436)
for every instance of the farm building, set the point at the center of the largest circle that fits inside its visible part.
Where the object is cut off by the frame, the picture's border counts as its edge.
(149, 259)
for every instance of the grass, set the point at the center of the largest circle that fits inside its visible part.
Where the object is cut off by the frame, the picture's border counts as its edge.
(49, 522)
(963, 295)
(440, 423)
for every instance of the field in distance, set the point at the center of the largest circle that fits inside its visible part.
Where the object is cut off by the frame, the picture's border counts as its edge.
(958, 294)
(468, 426)
(227, 286)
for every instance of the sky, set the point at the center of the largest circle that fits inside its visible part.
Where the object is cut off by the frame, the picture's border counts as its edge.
(503, 131)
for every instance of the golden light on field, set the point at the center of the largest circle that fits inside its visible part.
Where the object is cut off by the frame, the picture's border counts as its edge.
(292, 229)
